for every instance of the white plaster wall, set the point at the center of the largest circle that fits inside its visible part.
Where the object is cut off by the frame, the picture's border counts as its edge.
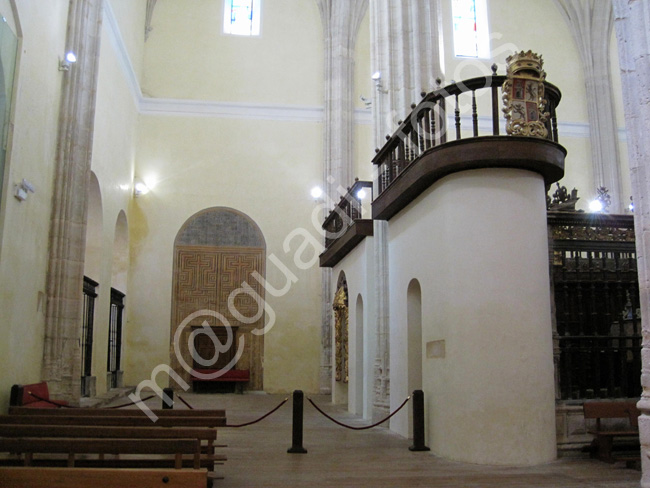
(492, 392)
(30, 155)
(357, 266)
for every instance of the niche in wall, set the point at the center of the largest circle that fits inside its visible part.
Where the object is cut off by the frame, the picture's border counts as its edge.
(216, 251)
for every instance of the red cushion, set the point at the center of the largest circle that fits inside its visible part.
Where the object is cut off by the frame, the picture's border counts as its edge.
(38, 389)
(230, 375)
(39, 404)
(40, 394)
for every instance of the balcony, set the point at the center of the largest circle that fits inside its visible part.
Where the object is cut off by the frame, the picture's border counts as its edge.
(345, 226)
(420, 151)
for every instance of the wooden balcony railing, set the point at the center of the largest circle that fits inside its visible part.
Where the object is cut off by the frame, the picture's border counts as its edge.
(346, 226)
(426, 126)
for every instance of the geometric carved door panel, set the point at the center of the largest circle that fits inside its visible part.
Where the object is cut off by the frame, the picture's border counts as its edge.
(205, 276)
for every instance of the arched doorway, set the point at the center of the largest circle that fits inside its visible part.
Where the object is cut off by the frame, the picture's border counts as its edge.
(119, 270)
(217, 254)
(341, 331)
(92, 270)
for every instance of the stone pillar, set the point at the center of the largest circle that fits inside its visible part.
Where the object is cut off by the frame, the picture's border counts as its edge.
(631, 19)
(591, 23)
(405, 58)
(61, 351)
(341, 20)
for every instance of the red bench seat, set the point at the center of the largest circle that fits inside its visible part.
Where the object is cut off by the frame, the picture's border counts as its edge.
(235, 377)
(230, 375)
(35, 395)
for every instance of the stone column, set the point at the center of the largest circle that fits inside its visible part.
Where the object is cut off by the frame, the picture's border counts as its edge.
(405, 58)
(591, 23)
(631, 19)
(61, 351)
(341, 20)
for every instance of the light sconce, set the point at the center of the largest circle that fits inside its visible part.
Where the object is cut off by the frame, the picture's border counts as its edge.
(70, 59)
(630, 207)
(22, 189)
(376, 77)
(140, 188)
(602, 202)
(316, 193)
(361, 194)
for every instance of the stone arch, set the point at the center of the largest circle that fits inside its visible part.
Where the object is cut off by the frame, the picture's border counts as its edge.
(94, 230)
(120, 267)
(359, 328)
(217, 252)
(414, 341)
(341, 334)
(414, 334)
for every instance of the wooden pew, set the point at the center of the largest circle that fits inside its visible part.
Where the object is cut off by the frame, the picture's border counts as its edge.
(31, 477)
(28, 446)
(115, 421)
(114, 412)
(207, 435)
(603, 442)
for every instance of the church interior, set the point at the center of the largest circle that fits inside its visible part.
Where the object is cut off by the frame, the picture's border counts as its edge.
(357, 199)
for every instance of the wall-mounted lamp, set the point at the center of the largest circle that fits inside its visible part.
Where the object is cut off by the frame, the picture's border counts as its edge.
(376, 77)
(630, 207)
(140, 188)
(361, 194)
(316, 192)
(69, 60)
(22, 189)
(602, 202)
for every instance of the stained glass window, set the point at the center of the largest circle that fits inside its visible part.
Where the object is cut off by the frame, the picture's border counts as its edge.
(471, 37)
(241, 17)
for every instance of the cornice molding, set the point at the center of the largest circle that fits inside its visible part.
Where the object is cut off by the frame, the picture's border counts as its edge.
(240, 110)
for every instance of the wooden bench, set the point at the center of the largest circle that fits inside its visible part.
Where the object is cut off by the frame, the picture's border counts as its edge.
(35, 395)
(21, 477)
(114, 412)
(28, 446)
(136, 420)
(603, 443)
(206, 436)
(237, 376)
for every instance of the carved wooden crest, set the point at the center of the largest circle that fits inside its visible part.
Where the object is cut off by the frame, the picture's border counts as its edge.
(523, 95)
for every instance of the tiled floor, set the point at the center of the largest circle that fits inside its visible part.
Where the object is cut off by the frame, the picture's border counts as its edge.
(338, 457)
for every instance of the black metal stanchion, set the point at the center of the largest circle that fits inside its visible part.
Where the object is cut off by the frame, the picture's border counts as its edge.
(298, 402)
(418, 422)
(168, 398)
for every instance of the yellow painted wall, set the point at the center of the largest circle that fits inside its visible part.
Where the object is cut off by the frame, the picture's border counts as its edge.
(25, 225)
(539, 26)
(188, 57)
(264, 169)
(114, 148)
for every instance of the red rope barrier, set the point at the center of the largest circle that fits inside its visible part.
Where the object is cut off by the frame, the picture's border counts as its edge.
(365, 426)
(73, 406)
(185, 403)
(50, 401)
(132, 403)
(261, 418)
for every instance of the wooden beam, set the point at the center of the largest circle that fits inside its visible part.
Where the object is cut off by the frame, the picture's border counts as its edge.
(21, 477)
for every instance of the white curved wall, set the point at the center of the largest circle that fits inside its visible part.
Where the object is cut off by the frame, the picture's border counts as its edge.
(477, 243)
